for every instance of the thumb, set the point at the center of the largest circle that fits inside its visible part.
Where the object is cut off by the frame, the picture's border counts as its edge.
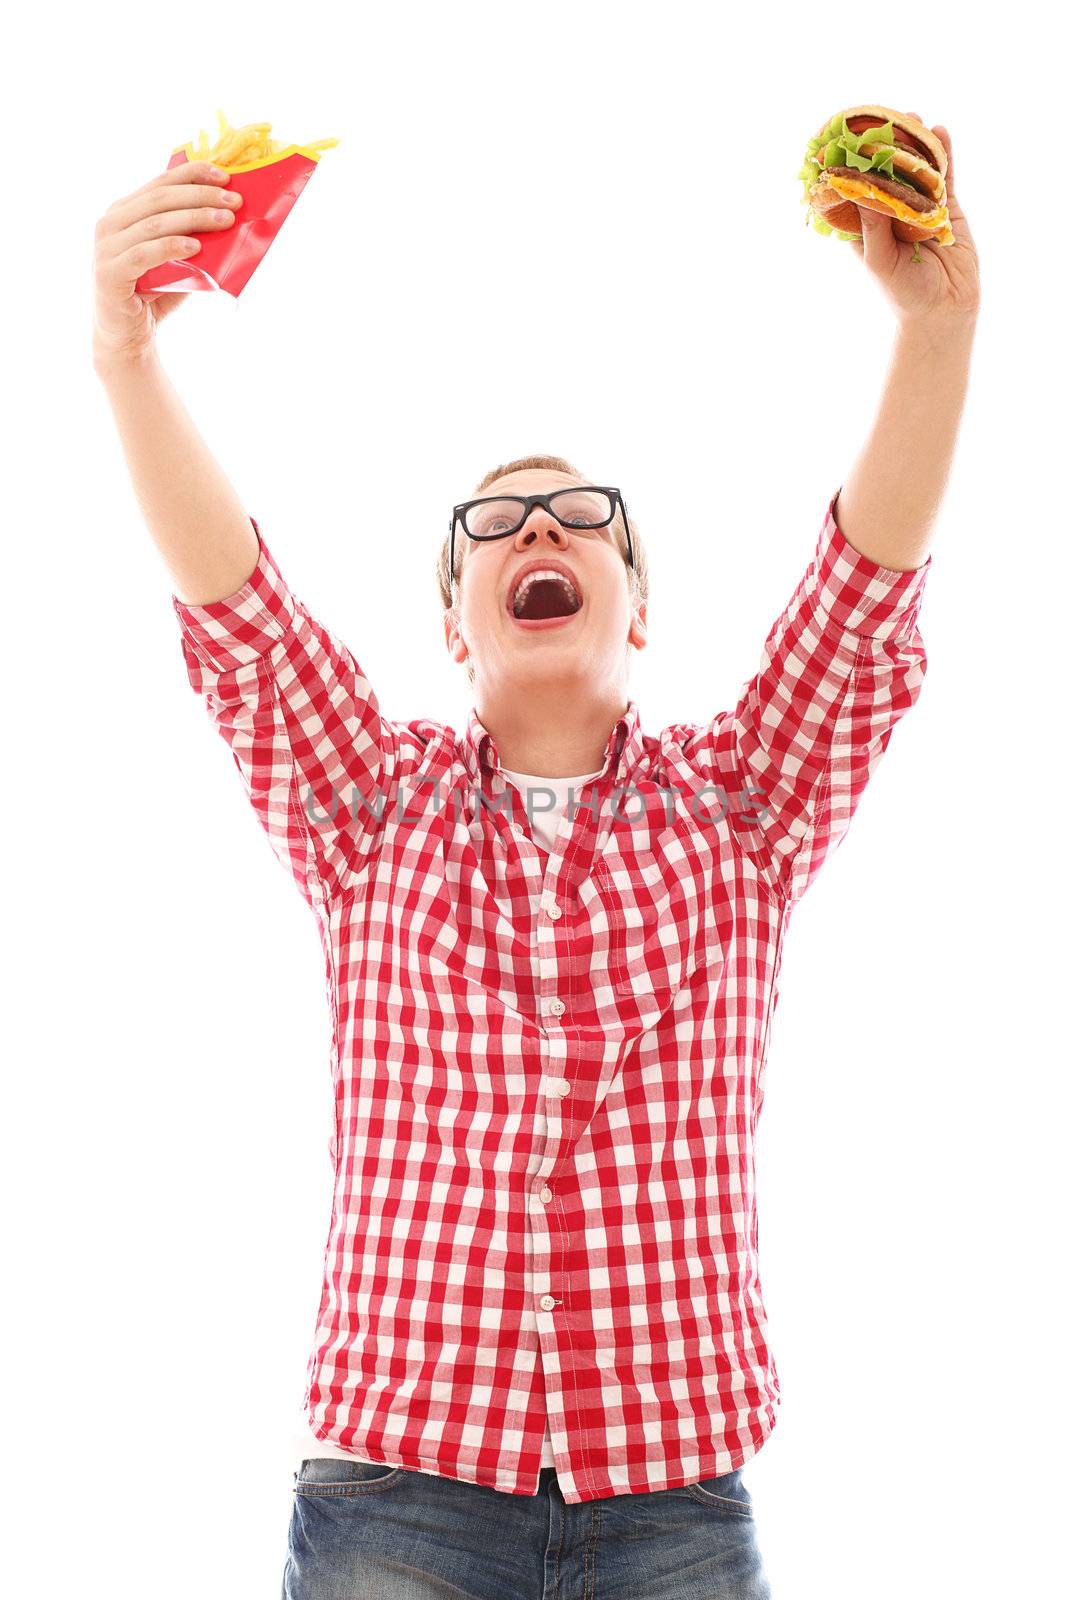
(879, 240)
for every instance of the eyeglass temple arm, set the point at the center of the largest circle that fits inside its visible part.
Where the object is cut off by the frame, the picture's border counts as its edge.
(629, 541)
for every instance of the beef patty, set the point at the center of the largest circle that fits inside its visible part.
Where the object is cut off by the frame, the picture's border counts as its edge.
(900, 191)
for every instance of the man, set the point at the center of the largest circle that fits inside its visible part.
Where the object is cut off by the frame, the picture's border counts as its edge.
(540, 1353)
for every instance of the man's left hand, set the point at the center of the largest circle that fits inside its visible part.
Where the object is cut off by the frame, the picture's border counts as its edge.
(930, 285)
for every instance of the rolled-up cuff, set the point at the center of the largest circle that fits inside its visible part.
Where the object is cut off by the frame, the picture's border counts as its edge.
(856, 594)
(237, 630)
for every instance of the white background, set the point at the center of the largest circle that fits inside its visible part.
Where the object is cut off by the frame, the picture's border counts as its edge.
(576, 230)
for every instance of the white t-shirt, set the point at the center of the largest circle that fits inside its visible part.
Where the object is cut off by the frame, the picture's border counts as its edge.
(545, 825)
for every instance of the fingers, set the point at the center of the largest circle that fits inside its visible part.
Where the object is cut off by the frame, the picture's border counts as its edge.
(958, 220)
(879, 240)
(175, 196)
(117, 275)
(184, 172)
(177, 207)
(169, 224)
(950, 175)
(960, 226)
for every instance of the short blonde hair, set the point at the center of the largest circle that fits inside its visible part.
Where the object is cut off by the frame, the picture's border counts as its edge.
(638, 573)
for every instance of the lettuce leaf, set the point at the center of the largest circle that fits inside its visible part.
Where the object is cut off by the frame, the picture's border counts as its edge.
(882, 135)
(844, 151)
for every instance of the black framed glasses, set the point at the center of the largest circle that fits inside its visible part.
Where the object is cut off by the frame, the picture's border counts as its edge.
(499, 516)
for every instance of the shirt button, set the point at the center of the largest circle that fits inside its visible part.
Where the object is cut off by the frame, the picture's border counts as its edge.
(547, 1302)
(546, 1194)
(551, 909)
(557, 1086)
(556, 1007)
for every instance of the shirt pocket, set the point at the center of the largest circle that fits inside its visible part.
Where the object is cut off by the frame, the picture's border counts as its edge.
(649, 944)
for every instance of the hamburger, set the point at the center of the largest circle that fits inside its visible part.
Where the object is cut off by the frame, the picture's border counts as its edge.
(880, 160)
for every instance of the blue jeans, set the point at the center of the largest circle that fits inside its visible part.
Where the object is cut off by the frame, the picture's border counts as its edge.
(364, 1531)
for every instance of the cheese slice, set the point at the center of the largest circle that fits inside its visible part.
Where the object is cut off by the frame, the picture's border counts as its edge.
(935, 222)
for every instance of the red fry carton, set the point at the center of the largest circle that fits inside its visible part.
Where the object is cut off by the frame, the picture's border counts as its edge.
(228, 256)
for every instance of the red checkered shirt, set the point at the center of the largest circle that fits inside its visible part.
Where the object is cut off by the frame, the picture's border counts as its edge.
(548, 1064)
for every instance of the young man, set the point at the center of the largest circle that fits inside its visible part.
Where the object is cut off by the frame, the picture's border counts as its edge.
(553, 944)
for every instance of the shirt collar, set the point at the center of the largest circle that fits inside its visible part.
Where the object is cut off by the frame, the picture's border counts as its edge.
(621, 753)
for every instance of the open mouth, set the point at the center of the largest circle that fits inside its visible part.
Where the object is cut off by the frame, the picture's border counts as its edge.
(543, 594)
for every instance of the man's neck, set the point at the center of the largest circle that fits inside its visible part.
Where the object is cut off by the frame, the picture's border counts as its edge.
(551, 734)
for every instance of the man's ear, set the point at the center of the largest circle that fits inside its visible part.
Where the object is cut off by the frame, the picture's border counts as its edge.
(454, 640)
(638, 634)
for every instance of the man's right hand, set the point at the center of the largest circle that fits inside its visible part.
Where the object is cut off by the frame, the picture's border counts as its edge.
(156, 223)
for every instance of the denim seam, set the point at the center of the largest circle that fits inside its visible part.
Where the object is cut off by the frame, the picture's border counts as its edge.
(736, 1508)
(308, 1486)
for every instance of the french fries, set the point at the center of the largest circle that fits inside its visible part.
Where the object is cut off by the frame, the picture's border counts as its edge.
(236, 147)
(269, 176)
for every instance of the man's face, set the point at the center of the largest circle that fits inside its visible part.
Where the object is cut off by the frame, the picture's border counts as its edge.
(531, 645)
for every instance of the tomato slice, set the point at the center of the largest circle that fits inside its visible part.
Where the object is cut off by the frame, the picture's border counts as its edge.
(901, 137)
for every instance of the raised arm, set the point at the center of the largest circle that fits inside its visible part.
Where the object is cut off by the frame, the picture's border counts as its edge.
(317, 757)
(301, 720)
(888, 503)
(190, 508)
(841, 665)
(845, 659)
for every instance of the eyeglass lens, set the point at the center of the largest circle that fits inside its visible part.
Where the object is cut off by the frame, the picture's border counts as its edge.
(578, 509)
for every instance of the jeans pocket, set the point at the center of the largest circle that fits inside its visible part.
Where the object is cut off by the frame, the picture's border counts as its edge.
(332, 1477)
(725, 1493)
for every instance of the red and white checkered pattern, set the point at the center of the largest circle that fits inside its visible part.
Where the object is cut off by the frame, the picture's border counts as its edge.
(548, 1065)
